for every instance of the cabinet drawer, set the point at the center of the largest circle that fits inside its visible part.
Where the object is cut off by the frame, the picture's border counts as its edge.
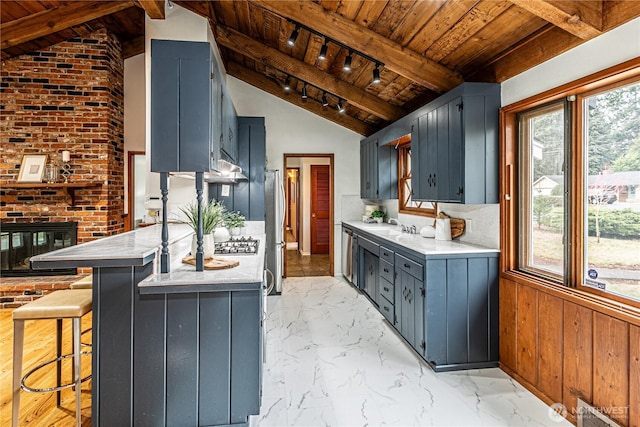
(411, 267)
(386, 290)
(386, 254)
(372, 247)
(386, 270)
(386, 308)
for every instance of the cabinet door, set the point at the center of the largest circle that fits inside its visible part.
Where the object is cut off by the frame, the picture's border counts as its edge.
(416, 181)
(428, 156)
(372, 153)
(441, 170)
(371, 275)
(181, 106)
(407, 324)
(455, 171)
(364, 170)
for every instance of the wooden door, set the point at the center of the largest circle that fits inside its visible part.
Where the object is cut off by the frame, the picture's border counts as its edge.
(320, 209)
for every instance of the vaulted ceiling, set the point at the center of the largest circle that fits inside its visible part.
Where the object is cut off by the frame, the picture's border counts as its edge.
(423, 48)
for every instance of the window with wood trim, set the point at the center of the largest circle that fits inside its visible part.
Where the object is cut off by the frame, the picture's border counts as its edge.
(406, 204)
(571, 163)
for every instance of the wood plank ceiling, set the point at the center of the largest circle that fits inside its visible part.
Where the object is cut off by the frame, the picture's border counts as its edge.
(426, 47)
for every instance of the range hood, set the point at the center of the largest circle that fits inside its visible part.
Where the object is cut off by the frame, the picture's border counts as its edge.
(226, 173)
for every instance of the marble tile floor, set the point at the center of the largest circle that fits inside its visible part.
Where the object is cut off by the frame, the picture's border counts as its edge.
(331, 360)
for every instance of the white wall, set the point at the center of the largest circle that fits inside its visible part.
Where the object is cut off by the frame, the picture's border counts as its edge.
(134, 114)
(607, 50)
(293, 130)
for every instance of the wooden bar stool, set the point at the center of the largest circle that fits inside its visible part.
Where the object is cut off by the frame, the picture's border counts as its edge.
(59, 305)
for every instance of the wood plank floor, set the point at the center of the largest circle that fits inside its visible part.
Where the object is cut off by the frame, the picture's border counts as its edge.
(39, 409)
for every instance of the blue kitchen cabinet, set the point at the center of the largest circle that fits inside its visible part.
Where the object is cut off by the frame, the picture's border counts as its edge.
(246, 196)
(378, 171)
(454, 146)
(229, 128)
(410, 292)
(184, 82)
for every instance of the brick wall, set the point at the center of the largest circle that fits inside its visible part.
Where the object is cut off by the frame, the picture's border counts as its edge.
(66, 97)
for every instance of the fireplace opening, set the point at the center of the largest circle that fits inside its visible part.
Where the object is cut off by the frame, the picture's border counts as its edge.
(20, 241)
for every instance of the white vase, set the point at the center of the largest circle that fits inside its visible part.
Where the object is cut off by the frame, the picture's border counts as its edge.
(221, 234)
(236, 231)
(208, 245)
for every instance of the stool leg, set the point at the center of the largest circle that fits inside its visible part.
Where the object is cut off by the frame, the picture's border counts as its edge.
(59, 362)
(18, 342)
(77, 370)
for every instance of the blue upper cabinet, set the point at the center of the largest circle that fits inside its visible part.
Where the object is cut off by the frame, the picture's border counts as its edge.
(229, 135)
(378, 171)
(184, 82)
(454, 146)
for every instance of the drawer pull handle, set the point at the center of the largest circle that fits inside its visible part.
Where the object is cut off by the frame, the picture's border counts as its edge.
(406, 265)
(386, 270)
(385, 308)
(386, 289)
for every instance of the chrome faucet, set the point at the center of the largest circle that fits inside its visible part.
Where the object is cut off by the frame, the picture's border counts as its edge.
(409, 229)
(392, 221)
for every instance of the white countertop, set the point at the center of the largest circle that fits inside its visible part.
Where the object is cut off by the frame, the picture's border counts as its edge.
(250, 270)
(137, 244)
(417, 243)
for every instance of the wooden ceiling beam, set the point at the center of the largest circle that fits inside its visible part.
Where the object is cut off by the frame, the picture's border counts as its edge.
(57, 19)
(569, 20)
(257, 51)
(270, 86)
(550, 42)
(154, 8)
(396, 58)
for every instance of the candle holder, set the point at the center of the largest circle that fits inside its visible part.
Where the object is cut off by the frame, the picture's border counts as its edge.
(66, 167)
(66, 171)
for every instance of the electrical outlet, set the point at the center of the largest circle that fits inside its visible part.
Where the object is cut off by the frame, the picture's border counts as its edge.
(469, 225)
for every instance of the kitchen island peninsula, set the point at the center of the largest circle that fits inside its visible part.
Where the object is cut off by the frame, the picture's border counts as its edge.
(170, 349)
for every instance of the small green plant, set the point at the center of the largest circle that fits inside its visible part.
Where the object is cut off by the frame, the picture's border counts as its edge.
(234, 220)
(212, 215)
(377, 214)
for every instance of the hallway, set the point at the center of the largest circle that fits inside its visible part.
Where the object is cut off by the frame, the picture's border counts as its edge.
(303, 266)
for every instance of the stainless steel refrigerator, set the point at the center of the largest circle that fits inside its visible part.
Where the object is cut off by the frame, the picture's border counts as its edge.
(274, 228)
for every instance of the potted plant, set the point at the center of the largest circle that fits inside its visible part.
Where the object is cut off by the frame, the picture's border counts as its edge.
(234, 221)
(378, 216)
(212, 216)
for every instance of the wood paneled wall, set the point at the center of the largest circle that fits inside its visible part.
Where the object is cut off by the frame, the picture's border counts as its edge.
(561, 350)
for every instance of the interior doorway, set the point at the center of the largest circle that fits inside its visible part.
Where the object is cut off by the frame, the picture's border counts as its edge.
(309, 215)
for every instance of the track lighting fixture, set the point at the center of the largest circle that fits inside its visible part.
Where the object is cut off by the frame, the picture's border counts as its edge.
(347, 63)
(304, 91)
(323, 52)
(293, 37)
(340, 107)
(376, 75)
(287, 84)
(324, 99)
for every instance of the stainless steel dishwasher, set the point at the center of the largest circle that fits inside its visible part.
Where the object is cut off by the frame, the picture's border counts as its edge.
(349, 262)
(347, 270)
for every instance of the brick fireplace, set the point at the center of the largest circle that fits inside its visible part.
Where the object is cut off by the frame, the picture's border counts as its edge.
(66, 97)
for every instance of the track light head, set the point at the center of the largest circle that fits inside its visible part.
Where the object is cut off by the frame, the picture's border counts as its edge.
(294, 36)
(287, 84)
(376, 75)
(340, 107)
(347, 63)
(304, 91)
(323, 52)
(324, 99)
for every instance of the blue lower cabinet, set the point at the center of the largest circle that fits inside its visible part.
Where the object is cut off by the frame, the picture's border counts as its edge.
(444, 306)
